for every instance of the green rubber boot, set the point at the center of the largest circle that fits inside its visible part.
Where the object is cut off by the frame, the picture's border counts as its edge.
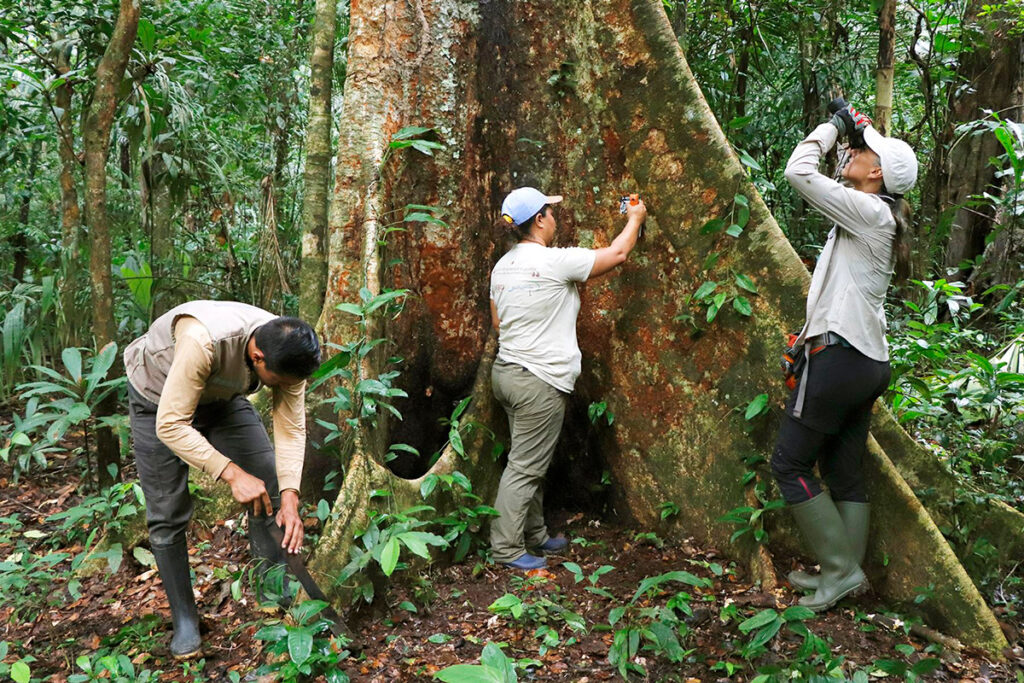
(823, 529)
(856, 519)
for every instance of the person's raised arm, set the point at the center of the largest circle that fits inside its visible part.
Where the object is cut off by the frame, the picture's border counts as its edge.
(608, 258)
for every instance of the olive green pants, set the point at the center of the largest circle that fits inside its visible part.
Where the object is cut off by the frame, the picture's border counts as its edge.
(535, 411)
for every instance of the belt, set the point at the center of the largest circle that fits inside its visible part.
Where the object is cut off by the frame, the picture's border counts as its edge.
(818, 341)
(813, 345)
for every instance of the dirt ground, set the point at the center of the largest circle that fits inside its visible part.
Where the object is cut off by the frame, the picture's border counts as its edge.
(127, 611)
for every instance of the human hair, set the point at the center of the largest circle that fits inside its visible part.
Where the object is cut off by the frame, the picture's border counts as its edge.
(900, 209)
(903, 240)
(523, 229)
(290, 347)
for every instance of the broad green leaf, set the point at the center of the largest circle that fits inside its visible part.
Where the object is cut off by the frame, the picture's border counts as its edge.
(147, 35)
(758, 405)
(705, 290)
(744, 282)
(72, 358)
(469, 673)
(760, 619)
(742, 305)
(20, 672)
(300, 644)
(389, 556)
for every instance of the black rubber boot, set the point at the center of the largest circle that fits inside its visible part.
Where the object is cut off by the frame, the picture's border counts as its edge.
(270, 563)
(826, 535)
(856, 519)
(172, 563)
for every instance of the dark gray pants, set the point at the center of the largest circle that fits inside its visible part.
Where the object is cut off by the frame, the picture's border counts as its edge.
(233, 427)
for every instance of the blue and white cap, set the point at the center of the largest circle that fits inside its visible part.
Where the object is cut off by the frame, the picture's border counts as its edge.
(524, 203)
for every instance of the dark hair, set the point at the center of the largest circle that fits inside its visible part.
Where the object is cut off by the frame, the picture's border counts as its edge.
(289, 347)
(523, 229)
(900, 208)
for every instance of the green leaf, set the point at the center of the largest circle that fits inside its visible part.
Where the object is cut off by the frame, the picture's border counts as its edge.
(469, 673)
(493, 658)
(20, 672)
(616, 614)
(742, 305)
(72, 358)
(741, 200)
(760, 619)
(705, 290)
(744, 282)
(712, 225)
(757, 406)
(389, 556)
(798, 613)
(147, 35)
(143, 556)
(734, 230)
(354, 309)
(456, 439)
(439, 638)
(300, 644)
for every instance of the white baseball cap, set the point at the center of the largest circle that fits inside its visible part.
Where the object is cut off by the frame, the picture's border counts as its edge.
(897, 159)
(524, 203)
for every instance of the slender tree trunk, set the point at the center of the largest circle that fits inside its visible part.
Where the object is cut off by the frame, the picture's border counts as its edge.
(20, 239)
(884, 72)
(634, 118)
(316, 178)
(96, 136)
(70, 214)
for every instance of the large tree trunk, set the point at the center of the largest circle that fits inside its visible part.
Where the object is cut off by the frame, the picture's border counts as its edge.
(96, 137)
(316, 176)
(992, 76)
(589, 99)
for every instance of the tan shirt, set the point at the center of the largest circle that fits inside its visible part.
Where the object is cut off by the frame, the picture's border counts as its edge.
(847, 293)
(186, 380)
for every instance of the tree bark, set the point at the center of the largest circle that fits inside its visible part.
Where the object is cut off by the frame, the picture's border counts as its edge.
(624, 114)
(20, 239)
(70, 213)
(316, 176)
(884, 74)
(991, 76)
(96, 137)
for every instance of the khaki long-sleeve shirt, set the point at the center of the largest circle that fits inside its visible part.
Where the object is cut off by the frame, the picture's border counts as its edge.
(190, 368)
(854, 269)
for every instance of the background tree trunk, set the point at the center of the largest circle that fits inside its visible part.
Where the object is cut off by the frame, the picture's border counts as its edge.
(70, 213)
(96, 136)
(588, 99)
(884, 74)
(20, 239)
(317, 174)
(992, 75)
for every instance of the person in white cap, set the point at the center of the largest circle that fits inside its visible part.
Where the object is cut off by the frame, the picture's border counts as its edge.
(843, 343)
(534, 304)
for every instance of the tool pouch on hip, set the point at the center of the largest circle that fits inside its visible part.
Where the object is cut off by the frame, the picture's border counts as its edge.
(793, 361)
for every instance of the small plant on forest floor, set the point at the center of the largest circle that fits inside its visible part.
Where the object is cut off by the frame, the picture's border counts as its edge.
(107, 511)
(536, 600)
(495, 667)
(592, 579)
(383, 540)
(748, 517)
(657, 628)
(27, 580)
(111, 667)
(306, 648)
(19, 671)
(462, 528)
(73, 398)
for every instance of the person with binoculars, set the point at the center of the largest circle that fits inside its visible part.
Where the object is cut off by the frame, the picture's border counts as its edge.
(534, 304)
(843, 344)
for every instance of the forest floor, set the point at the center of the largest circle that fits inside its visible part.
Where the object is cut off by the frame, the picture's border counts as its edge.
(439, 619)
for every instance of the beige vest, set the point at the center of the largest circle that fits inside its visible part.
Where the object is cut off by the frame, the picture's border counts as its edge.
(147, 360)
